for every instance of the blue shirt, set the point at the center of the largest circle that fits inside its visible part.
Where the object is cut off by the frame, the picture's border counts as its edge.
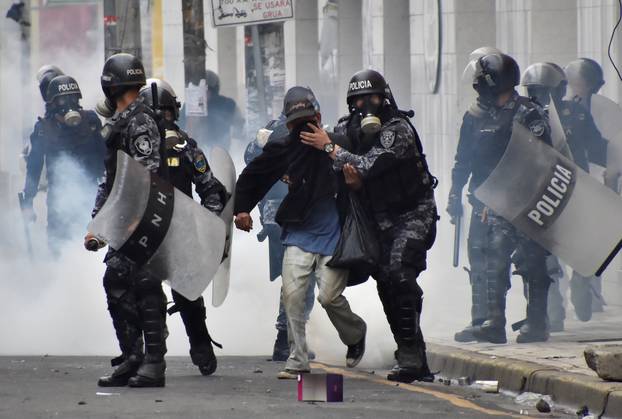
(319, 233)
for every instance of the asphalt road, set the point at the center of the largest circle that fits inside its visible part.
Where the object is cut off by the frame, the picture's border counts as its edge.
(242, 387)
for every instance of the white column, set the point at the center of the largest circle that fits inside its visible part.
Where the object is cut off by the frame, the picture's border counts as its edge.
(595, 23)
(349, 56)
(396, 49)
(173, 45)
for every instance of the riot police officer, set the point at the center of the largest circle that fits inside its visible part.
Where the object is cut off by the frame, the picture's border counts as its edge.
(65, 137)
(585, 78)
(476, 271)
(187, 165)
(546, 81)
(398, 188)
(135, 298)
(484, 135)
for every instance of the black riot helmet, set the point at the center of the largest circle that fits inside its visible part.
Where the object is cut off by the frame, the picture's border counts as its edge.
(165, 97)
(495, 74)
(366, 82)
(545, 80)
(45, 75)
(122, 72)
(63, 94)
(367, 93)
(588, 71)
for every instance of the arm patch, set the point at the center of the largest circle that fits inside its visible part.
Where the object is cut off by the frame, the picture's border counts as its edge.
(143, 145)
(200, 164)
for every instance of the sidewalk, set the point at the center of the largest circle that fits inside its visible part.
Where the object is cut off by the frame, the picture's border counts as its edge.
(556, 367)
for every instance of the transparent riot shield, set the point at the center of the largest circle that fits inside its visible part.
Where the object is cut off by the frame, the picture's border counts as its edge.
(161, 229)
(555, 203)
(224, 170)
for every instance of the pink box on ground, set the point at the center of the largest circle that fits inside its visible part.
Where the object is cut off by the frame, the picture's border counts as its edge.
(320, 387)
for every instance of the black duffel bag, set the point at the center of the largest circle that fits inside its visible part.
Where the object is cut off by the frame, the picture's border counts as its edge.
(358, 248)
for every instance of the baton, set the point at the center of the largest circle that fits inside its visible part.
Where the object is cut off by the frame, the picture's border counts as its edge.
(457, 225)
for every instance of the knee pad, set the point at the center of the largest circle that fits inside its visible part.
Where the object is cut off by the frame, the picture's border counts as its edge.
(122, 305)
(146, 284)
(414, 256)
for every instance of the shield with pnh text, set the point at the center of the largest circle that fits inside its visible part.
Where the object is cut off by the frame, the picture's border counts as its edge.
(555, 203)
(159, 228)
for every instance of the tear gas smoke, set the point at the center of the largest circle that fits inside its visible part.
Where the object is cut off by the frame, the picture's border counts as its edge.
(57, 306)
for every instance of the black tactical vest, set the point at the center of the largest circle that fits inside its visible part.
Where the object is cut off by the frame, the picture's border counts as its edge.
(401, 186)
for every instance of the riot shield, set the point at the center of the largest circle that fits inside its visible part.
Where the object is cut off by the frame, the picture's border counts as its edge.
(555, 203)
(161, 229)
(224, 170)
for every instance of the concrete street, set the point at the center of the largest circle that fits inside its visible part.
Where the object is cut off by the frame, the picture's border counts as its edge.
(243, 387)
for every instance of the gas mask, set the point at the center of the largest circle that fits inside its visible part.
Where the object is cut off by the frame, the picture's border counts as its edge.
(369, 108)
(67, 108)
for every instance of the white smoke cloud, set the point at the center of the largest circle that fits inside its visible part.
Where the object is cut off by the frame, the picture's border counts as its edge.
(57, 306)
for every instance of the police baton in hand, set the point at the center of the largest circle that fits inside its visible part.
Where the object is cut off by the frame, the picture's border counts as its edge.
(457, 227)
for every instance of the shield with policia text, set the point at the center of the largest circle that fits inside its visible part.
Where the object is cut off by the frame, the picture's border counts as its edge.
(160, 229)
(555, 203)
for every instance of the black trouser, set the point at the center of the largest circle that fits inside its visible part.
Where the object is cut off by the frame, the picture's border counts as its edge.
(137, 306)
(404, 248)
(476, 244)
(530, 262)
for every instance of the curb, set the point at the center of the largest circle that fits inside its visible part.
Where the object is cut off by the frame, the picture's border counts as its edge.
(570, 389)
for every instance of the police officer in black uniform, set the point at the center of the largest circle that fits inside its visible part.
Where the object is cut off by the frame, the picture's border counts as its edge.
(66, 134)
(394, 182)
(545, 81)
(484, 135)
(187, 165)
(136, 301)
(585, 79)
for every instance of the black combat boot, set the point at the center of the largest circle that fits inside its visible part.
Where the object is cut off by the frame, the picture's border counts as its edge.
(281, 346)
(153, 315)
(493, 329)
(131, 343)
(479, 310)
(412, 365)
(121, 375)
(150, 373)
(466, 334)
(536, 328)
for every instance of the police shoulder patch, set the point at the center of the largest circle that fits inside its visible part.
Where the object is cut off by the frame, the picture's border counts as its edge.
(200, 164)
(143, 145)
(387, 138)
(537, 127)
